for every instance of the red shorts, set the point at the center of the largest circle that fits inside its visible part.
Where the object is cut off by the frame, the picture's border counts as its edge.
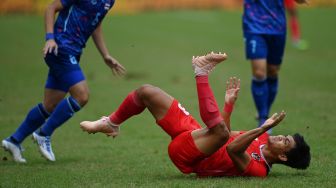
(289, 4)
(179, 124)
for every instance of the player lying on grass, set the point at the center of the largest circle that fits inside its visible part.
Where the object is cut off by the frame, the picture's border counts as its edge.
(214, 150)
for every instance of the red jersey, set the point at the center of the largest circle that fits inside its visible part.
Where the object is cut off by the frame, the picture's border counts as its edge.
(179, 124)
(220, 163)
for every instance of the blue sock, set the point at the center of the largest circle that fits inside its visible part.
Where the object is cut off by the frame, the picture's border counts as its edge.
(63, 111)
(35, 118)
(260, 95)
(273, 90)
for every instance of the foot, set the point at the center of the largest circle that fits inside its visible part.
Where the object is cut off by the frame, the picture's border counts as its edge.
(14, 149)
(300, 44)
(203, 65)
(44, 144)
(103, 125)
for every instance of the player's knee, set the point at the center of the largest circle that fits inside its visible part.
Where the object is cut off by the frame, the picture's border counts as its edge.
(259, 74)
(272, 73)
(222, 131)
(49, 107)
(83, 99)
(145, 91)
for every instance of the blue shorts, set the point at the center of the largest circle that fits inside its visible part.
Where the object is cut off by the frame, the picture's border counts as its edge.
(64, 71)
(263, 46)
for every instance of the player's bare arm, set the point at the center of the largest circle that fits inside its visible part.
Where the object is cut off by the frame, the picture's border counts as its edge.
(231, 95)
(116, 67)
(237, 148)
(50, 45)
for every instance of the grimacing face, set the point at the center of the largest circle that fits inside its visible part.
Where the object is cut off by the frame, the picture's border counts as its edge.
(281, 144)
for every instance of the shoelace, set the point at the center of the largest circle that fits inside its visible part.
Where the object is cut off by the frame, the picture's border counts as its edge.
(47, 142)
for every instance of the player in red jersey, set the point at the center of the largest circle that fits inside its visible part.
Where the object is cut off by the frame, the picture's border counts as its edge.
(294, 25)
(214, 150)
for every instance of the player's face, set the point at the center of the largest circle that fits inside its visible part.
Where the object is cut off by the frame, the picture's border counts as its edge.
(281, 144)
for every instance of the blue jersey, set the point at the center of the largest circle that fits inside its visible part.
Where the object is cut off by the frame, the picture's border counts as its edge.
(77, 21)
(264, 17)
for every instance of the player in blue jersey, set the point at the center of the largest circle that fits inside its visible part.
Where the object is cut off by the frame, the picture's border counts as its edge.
(264, 27)
(65, 39)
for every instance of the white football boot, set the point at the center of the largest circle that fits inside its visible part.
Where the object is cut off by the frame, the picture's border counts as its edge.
(44, 144)
(15, 150)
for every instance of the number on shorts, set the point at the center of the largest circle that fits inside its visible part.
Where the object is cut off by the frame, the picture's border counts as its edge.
(254, 45)
(183, 109)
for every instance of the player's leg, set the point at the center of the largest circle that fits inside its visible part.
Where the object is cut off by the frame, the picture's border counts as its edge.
(276, 45)
(67, 78)
(147, 96)
(256, 50)
(294, 25)
(293, 20)
(34, 119)
(210, 139)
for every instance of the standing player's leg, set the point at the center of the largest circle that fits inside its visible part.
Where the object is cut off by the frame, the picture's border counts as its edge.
(256, 50)
(34, 119)
(276, 48)
(294, 25)
(63, 111)
(66, 77)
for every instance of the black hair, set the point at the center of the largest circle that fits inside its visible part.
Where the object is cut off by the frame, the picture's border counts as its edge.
(299, 156)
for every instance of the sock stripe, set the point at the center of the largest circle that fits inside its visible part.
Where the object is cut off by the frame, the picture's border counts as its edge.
(69, 104)
(74, 105)
(259, 79)
(43, 111)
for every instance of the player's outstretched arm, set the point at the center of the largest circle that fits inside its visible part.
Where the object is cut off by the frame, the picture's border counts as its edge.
(49, 18)
(115, 66)
(237, 148)
(231, 95)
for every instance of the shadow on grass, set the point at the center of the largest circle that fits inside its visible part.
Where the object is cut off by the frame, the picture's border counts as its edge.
(193, 177)
(39, 161)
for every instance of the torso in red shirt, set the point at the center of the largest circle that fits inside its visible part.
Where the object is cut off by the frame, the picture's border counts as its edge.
(179, 124)
(220, 163)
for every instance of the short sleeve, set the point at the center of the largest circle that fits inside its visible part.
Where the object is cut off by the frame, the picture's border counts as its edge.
(256, 169)
(68, 3)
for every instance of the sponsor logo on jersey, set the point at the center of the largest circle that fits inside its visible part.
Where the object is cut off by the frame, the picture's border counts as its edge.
(255, 156)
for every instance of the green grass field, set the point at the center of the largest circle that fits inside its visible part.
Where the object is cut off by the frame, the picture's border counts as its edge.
(156, 48)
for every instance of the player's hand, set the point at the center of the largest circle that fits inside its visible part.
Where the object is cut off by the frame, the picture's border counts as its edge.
(232, 90)
(274, 120)
(50, 47)
(116, 67)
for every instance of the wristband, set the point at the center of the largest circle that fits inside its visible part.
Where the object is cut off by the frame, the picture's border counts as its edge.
(49, 36)
(228, 108)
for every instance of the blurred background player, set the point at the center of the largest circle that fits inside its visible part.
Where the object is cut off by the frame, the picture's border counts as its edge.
(294, 25)
(264, 29)
(65, 39)
(214, 150)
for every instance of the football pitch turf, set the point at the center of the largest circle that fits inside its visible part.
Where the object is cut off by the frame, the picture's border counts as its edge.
(156, 48)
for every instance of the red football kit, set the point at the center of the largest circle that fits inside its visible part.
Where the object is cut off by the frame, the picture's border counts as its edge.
(179, 124)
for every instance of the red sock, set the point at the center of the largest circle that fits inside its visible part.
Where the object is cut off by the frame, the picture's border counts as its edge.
(129, 107)
(295, 28)
(207, 103)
